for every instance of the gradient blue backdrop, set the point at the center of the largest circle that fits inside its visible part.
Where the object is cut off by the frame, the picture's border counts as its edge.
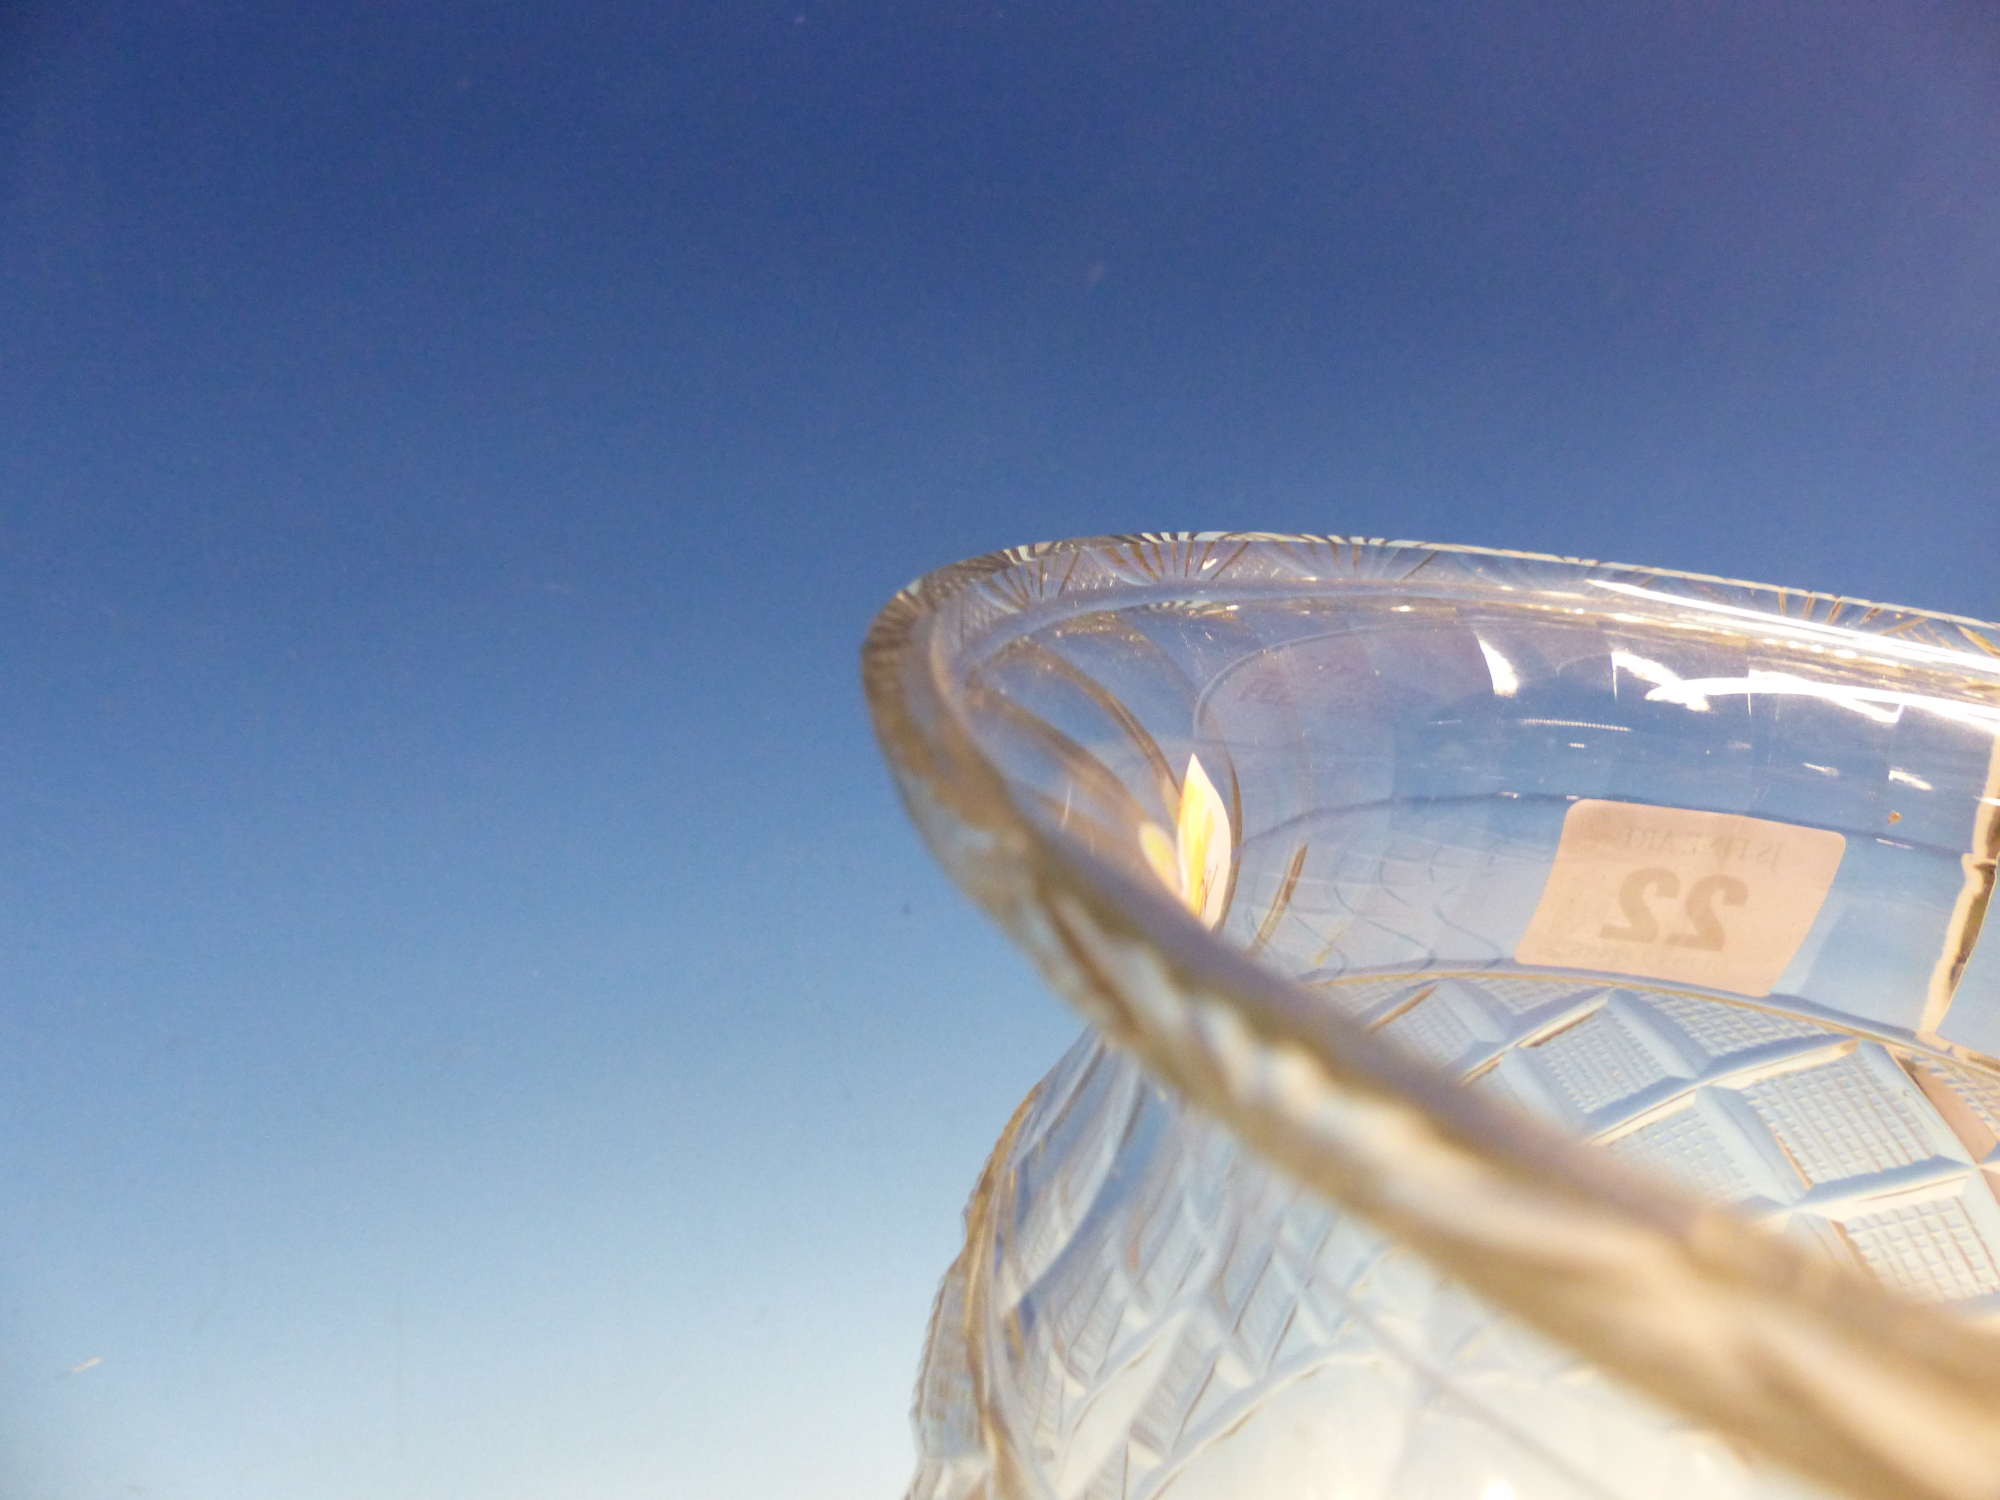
(473, 1017)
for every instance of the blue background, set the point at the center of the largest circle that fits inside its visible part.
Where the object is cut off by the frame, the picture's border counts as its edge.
(473, 1016)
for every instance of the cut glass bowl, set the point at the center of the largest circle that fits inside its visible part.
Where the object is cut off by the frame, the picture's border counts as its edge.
(1542, 1043)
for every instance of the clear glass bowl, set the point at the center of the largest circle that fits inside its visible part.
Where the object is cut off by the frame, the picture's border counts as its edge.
(1542, 1042)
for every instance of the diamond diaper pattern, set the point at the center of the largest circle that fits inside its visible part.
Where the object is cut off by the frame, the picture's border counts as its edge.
(1159, 1296)
(1839, 1120)
(1597, 1061)
(1928, 1249)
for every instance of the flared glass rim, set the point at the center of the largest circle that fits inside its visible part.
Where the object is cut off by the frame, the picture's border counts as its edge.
(1046, 579)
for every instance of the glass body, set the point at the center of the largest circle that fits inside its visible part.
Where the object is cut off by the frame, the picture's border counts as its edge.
(1542, 908)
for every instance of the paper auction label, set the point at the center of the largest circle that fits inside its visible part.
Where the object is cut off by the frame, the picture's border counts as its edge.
(1713, 899)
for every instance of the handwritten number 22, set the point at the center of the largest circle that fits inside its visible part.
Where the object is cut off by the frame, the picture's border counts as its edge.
(1641, 926)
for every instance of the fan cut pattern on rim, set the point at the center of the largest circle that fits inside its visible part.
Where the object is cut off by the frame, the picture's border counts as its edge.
(1334, 1249)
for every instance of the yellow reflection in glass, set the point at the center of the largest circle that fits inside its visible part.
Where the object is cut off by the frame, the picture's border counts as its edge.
(1194, 863)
